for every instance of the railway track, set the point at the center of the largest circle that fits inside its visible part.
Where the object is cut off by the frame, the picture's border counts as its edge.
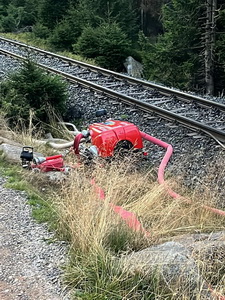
(192, 111)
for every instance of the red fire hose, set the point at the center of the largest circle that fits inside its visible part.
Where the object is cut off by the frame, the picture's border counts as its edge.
(169, 150)
(77, 143)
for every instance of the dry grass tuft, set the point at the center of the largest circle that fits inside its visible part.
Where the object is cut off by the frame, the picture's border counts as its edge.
(32, 135)
(89, 221)
(98, 235)
(5, 131)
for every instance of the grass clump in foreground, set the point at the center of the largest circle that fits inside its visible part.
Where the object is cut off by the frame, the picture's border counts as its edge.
(100, 276)
(98, 237)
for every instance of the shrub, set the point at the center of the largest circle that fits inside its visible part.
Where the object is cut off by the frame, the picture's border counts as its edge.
(41, 31)
(8, 24)
(63, 36)
(32, 89)
(108, 44)
(67, 31)
(88, 43)
(14, 19)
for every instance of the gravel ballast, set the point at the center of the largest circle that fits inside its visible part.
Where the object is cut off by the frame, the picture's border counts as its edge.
(29, 262)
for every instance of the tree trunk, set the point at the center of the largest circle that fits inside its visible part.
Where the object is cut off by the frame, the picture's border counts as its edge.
(211, 6)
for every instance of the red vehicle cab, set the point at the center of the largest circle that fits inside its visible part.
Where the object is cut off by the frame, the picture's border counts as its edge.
(108, 135)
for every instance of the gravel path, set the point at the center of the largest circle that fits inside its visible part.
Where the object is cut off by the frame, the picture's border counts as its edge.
(29, 263)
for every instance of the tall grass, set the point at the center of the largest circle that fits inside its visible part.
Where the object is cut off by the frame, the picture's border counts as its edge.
(98, 236)
(89, 220)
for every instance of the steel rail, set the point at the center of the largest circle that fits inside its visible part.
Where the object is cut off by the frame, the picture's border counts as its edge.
(219, 134)
(162, 89)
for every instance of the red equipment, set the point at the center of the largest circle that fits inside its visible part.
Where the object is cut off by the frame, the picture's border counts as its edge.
(50, 163)
(108, 136)
(105, 138)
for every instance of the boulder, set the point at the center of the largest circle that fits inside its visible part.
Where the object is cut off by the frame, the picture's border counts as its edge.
(12, 152)
(208, 250)
(55, 177)
(133, 67)
(175, 269)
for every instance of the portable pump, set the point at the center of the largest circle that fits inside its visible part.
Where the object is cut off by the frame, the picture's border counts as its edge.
(109, 136)
(105, 138)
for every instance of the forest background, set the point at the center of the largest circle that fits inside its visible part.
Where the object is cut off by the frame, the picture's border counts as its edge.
(181, 43)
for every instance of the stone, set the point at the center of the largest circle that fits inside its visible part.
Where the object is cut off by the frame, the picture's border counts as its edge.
(209, 249)
(55, 177)
(175, 269)
(12, 152)
(133, 67)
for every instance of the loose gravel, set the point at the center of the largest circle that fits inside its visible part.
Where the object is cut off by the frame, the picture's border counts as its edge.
(7, 66)
(30, 263)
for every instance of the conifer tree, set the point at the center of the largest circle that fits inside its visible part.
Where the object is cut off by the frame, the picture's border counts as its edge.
(149, 16)
(108, 44)
(123, 12)
(189, 54)
(219, 57)
(31, 88)
(52, 11)
(176, 57)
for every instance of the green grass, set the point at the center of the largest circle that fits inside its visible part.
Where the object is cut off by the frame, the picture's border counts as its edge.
(103, 277)
(27, 38)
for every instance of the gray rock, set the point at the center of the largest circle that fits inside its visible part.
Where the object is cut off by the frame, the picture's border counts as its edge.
(133, 67)
(55, 177)
(209, 250)
(172, 263)
(12, 152)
